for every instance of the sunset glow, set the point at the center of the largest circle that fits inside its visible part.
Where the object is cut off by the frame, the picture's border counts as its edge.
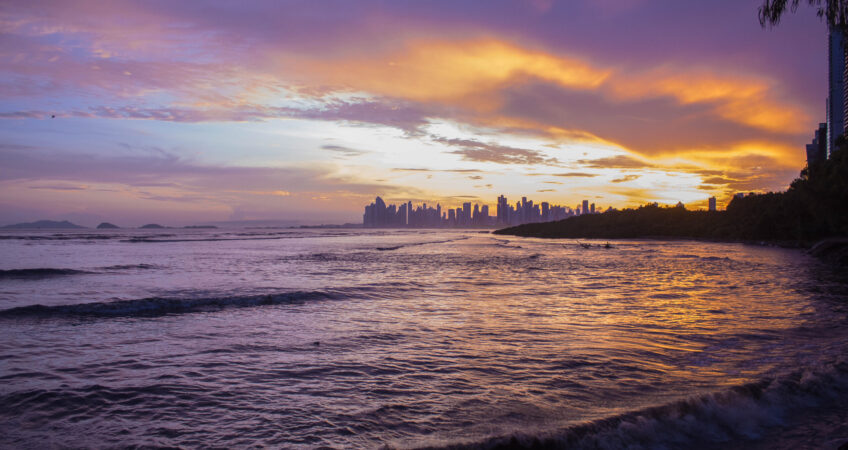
(303, 111)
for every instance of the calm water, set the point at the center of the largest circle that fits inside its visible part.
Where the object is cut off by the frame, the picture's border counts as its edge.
(350, 338)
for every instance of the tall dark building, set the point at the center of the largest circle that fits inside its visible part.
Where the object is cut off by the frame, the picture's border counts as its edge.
(503, 210)
(817, 150)
(836, 98)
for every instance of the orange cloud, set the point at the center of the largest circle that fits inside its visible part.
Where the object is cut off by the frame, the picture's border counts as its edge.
(471, 72)
(445, 70)
(490, 83)
(741, 99)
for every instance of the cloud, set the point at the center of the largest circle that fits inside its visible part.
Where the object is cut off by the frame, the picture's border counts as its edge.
(421, 169)
(442, 70)
(563, 174)
(24, 115)
(389, 113)
(616, 162)
(145, 69)
(472, 150)
(152, 177)
(346, 151)
(574, 174)
(57, 187)
(626, 178)
(737, 98)
(641, 81)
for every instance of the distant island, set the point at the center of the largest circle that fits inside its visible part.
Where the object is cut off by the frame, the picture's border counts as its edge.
(152, 225)
(193, 227)
(107, 226)
(45, 224)
(815, 207)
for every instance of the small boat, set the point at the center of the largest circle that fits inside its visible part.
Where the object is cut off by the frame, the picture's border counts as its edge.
(607, 245)
(584, 245)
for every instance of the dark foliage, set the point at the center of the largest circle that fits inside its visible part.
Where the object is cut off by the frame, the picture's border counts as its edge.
(814, 207)
(834, 11)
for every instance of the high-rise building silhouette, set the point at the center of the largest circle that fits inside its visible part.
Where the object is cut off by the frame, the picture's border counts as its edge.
(817, 150)
(712, 203)
(503, 211)
(585, 208)
(836, 98)
(380, 215)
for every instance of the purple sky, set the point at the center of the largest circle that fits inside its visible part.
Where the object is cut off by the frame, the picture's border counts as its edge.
(185, 112)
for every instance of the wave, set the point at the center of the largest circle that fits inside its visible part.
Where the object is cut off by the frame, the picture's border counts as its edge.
(130, 267)
(744, 413)
(137, 240)
(43, 272)
(47, 272)
(224, 237)
(59, 237)
(395, 247)
(159, 306)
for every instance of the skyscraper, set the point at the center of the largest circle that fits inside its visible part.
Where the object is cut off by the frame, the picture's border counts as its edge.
(712, 202)
(817, 150)
(585, 208)
(503, 210)
(836, 101)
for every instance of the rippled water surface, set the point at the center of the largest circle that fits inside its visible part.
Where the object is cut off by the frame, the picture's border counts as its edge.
(351, 338)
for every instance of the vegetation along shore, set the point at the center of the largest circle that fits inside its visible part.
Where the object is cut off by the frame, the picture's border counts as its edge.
(813, 209)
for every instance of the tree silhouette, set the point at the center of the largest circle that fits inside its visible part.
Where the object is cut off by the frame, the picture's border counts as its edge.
(834, 11)
(814, 207)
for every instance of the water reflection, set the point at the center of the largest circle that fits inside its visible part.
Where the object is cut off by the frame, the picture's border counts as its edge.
(449, 337)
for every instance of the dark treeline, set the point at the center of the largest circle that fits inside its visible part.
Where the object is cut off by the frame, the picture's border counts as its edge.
(814, 207)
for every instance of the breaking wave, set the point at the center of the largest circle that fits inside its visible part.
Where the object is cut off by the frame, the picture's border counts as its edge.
(43, 272)
(47, 272)
(158, 306)
(58, 237)
(396, 247)
(740, 414)
(131, 267)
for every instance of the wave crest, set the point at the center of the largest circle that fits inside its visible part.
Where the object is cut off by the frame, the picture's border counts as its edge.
(158, 306)
(743, 413)
(42, 272)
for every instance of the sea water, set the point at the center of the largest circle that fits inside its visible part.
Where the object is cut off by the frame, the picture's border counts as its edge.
(415, 338)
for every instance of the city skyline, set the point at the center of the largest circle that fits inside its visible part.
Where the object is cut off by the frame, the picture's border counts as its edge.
(379, 214)
(138, 112)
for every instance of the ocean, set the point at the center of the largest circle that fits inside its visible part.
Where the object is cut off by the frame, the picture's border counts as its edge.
(350, 338)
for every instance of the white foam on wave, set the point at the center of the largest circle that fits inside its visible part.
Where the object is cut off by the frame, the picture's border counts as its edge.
(740, 414)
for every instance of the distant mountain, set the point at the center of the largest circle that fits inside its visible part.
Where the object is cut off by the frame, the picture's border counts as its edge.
(51, 224)
(152, 225)
(107, 225)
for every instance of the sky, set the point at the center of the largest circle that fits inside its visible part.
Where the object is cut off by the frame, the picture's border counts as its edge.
(193, 112)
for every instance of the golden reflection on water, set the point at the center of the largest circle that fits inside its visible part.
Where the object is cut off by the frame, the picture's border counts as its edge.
(450, 334)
